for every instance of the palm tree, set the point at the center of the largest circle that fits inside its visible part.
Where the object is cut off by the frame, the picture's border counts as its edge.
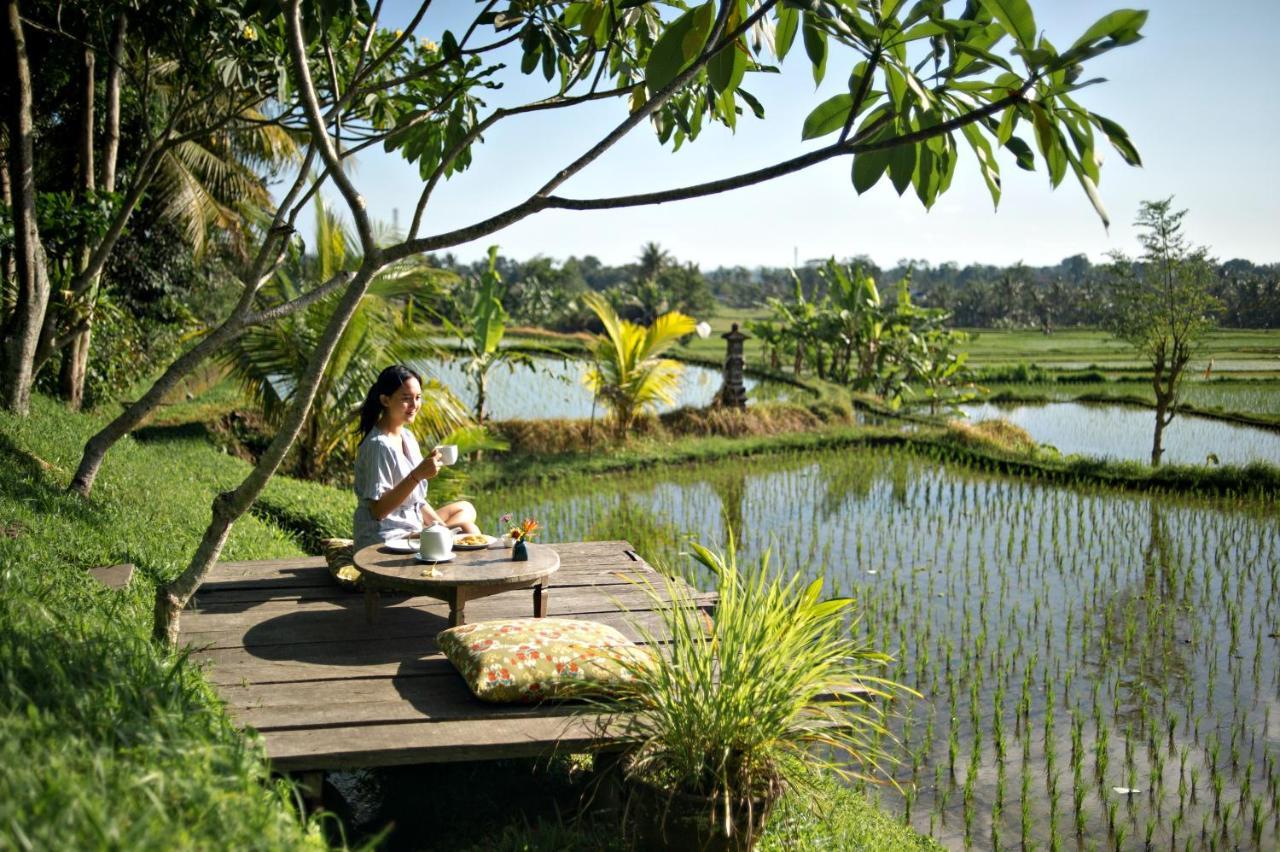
(627, 373)
(653, 259)
(269, 361)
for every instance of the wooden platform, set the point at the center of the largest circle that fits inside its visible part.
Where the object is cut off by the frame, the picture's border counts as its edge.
(293, 657)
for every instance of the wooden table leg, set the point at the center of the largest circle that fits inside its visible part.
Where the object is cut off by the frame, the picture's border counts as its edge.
(370, 602)
(457, 608)
(539, 601)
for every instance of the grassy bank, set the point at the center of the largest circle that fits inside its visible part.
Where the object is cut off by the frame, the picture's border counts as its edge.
(107, 741)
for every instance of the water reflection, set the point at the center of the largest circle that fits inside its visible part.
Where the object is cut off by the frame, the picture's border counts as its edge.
(555, 389)
(1125, 432)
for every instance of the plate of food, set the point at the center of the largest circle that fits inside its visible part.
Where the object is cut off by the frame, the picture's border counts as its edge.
(472, 541)
(402, 545)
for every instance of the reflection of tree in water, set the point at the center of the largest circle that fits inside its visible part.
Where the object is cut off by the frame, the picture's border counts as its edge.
(1142, 625)
(730, 485)
(653, 535)
(848, 476)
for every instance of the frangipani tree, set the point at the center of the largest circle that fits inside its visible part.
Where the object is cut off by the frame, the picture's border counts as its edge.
(923, 81)
(627, 371)
(269, 360)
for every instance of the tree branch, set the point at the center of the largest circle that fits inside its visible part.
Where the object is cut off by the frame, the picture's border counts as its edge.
(475, 132)
(319, 132)
(537, 203)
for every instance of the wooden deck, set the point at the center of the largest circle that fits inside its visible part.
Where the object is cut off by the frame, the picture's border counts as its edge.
(293, 657)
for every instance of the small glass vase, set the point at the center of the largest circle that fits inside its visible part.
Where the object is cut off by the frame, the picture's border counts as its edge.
(520, 551)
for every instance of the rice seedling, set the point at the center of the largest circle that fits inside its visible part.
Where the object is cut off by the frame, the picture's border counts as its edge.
(1061, 623)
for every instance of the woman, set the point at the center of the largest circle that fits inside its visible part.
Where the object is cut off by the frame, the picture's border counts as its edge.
(391, 474)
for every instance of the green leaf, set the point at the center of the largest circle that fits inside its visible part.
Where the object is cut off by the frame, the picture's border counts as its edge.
(968, 49)
(1022, 151)
(925, 177)
(726, 68)
(868, 168)
(1007, 122)
(1118, 138)
(756, 107)
(902, 166)
(1122, 26)
(827, 117)
(679, 44)
(815, 44)
(1016, 17)
(986, 161)
(784, 33)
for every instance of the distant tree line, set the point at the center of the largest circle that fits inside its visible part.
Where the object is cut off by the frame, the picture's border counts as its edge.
(549, 294)
(1072, 292)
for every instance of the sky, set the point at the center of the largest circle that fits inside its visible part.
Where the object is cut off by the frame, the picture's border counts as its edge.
(1196, 95)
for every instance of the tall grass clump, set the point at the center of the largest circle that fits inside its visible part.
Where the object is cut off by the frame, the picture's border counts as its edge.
(771, 693)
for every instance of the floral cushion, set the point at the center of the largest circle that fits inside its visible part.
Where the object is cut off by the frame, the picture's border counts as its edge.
(339, 553)
(535, 659)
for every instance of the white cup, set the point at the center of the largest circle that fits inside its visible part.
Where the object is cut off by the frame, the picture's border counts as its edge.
(448, 454)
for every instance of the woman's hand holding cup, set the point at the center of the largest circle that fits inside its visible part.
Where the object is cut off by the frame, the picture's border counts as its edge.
(428, 467)
(448, 454)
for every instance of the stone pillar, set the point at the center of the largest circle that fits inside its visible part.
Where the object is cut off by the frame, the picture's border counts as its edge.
(732, 393)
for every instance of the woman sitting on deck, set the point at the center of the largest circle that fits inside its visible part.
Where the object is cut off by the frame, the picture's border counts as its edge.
(391, 473)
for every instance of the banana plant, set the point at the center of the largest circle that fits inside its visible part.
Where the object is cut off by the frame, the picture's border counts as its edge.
(480, 334)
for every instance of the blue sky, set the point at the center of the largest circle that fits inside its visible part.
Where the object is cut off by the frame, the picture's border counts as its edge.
(1196, 96)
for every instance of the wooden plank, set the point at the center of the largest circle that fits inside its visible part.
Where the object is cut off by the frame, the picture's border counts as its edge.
(323, 587)
(387, 701)
(305, 635)
(435, 742)
(569, 551)
(217, 614)
(293, 657)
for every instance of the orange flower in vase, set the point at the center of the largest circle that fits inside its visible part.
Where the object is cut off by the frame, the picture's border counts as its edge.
(520, 535)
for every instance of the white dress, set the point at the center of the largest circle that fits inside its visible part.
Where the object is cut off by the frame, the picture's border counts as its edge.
(382, 462)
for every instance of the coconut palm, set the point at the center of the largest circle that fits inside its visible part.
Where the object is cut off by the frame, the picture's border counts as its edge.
(269, 361)
(627, 374)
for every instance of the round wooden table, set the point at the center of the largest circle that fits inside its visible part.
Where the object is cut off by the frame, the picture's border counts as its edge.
(472, 574)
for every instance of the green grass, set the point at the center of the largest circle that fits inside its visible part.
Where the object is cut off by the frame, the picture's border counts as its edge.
(105, 740)
(1238, 351)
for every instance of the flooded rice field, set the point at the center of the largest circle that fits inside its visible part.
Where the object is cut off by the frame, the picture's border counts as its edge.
(1125, 432)
(1099, 670)
(555, 389)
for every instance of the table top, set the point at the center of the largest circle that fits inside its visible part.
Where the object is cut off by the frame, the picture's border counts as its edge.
(491, 566)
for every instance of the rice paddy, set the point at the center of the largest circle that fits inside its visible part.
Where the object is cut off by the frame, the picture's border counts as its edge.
(1100, 670)
(1252, 396)
(1125, 432)
(555, 389)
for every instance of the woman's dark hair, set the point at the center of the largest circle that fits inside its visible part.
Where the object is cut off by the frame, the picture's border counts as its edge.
(389, 381)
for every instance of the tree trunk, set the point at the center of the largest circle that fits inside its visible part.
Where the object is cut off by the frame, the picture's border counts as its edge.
(229, 506)
(75, 358)
(1157, 444)
(95, 450)
(22, 332)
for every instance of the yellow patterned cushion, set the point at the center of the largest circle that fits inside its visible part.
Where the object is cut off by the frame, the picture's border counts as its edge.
(339, 553)
(536, 659)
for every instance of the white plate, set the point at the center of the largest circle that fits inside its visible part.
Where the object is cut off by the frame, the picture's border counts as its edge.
(449, 558)
(402, 545)
(489, 540)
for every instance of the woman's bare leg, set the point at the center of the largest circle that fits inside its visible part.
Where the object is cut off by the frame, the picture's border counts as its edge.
(459, 514)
